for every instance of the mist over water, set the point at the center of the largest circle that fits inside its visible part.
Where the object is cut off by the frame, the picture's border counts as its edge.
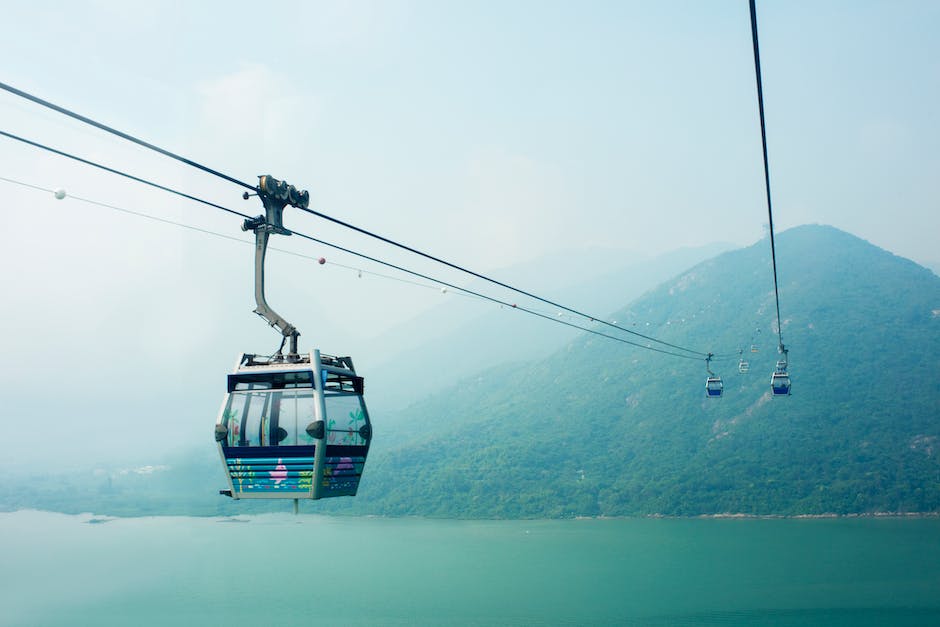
(286, 570)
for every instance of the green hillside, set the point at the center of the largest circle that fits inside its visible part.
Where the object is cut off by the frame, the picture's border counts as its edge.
(601, 428)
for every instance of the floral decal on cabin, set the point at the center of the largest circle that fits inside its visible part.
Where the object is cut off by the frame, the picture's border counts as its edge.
(279, 473)
(350, 434)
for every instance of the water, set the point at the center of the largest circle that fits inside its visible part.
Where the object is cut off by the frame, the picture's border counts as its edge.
(286, 570)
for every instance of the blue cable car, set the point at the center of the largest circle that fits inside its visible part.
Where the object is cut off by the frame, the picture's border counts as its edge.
(713, 384)
(780, 379)
(780, 384)
(713, 387)
(296, 430)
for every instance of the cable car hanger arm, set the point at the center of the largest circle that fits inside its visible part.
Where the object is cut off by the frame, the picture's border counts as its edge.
(263, 309)
(274, 195)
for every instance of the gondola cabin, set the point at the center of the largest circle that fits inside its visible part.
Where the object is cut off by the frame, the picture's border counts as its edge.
(713, 387)
(780, 380)
(780, 384)
(295, 430)
(744, 367)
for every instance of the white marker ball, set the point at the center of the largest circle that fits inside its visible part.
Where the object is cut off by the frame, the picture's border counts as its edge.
(443, 290)
(60, 194)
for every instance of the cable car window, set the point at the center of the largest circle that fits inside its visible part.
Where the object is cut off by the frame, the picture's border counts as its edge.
(345, 415)
(295, 412)
(235, 417)
(339, 382)
(255, 412)
(270, 380)
(232, 418)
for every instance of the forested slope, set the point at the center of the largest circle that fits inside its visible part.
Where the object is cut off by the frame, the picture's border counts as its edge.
(601, 428)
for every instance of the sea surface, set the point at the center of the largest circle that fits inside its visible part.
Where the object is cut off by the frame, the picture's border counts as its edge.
(281, 569)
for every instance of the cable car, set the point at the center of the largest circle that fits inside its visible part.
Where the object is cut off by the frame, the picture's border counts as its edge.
(296, 430)
(754, 348)
(780, 379)
(291, 425)
(780, 384)
(713, 387)
(713, 384)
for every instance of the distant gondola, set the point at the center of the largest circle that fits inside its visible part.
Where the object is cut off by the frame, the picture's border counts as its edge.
(713, 387)
(713, 384)
(780, 384)
(780, 380)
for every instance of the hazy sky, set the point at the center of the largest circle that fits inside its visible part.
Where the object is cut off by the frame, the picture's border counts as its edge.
(489, 133)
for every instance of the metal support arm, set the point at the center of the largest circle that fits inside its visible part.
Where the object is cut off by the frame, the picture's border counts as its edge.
(263, 310)
(275, 195)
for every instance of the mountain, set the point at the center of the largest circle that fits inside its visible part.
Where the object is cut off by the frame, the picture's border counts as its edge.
(468, 337)
(600, 428)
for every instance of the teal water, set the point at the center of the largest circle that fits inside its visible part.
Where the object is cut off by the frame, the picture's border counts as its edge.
(312, 570)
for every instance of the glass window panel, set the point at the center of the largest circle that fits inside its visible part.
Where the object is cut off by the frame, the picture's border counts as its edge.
(345, 414)
(232, 417)
(270, 380)
(295, 413)
(253, 418)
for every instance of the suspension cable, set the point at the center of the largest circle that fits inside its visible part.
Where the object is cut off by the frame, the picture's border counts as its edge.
(763, 137)
(597, 319)
(99, 125)
(362, 256)
(121, 134)
(494, 281)
(120, 173)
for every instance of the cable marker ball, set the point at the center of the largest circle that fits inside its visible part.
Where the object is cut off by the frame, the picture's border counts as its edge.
(321, 260)
(60, 194)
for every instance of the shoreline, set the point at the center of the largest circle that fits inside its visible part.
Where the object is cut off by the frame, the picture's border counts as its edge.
(102, 517)
(812, 516)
